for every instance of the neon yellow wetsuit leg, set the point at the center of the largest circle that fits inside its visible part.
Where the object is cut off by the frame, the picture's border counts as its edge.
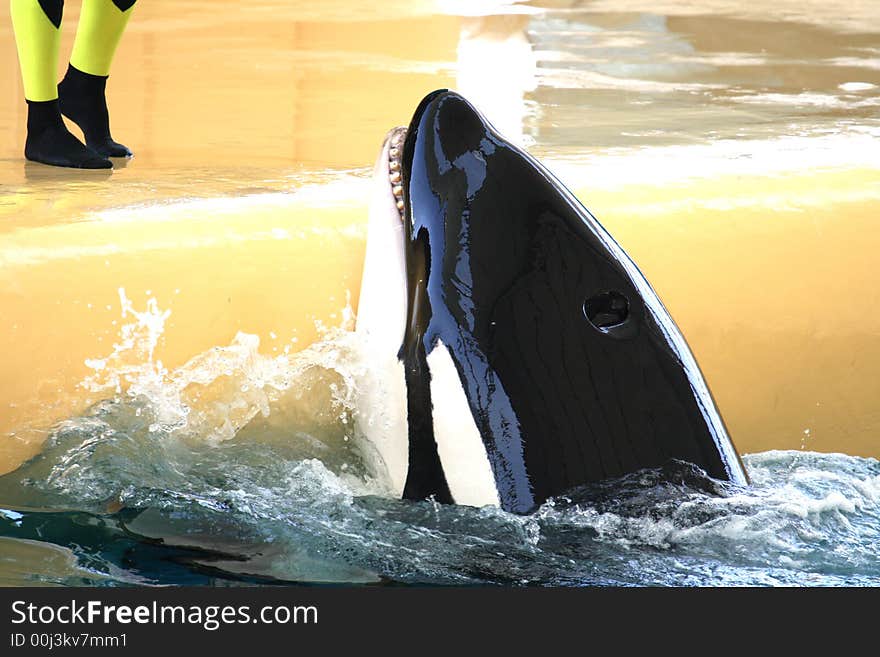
(101, 24)
(82, 91)
(37, 27)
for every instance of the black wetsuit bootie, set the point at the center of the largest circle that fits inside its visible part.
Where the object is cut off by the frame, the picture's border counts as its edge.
(83, 101)
(50, 142)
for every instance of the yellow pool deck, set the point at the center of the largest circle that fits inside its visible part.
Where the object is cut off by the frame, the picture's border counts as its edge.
(244, 210)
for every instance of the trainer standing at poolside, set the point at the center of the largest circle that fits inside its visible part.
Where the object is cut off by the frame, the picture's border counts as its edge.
(80, 95)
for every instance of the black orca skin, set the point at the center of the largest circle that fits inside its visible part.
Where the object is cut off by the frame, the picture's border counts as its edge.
(573, 370)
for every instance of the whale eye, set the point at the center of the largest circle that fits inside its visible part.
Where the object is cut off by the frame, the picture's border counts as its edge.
(606, 310)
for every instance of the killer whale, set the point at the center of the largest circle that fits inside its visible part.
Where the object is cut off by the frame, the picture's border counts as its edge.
(517, 351)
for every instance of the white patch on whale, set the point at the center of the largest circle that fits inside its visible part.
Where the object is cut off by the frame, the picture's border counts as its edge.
(459, 444)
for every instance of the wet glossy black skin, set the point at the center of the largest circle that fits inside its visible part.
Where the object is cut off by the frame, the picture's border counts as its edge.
(572, 374)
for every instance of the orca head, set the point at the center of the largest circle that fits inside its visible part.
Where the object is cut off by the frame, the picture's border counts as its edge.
(536, 357)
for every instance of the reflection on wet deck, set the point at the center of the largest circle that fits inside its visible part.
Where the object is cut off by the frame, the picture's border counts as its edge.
(731, 149)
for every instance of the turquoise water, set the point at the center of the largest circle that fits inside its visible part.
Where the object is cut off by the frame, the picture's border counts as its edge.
(130, 494)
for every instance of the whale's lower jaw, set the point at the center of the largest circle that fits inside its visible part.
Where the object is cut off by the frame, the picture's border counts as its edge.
(381, 320)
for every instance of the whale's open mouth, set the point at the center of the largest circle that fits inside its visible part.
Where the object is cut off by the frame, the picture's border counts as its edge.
(395, 153)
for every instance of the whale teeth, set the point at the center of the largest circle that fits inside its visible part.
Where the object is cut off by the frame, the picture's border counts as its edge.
(394, 169)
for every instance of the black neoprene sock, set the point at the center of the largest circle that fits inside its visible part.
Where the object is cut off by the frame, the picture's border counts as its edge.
(50, 142)
(83, 101)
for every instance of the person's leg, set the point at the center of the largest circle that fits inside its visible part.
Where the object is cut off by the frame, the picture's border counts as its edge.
(101, 24)
(37, 27)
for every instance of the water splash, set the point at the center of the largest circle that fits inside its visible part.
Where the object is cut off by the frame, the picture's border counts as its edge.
(132, 357)
(217, 393)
